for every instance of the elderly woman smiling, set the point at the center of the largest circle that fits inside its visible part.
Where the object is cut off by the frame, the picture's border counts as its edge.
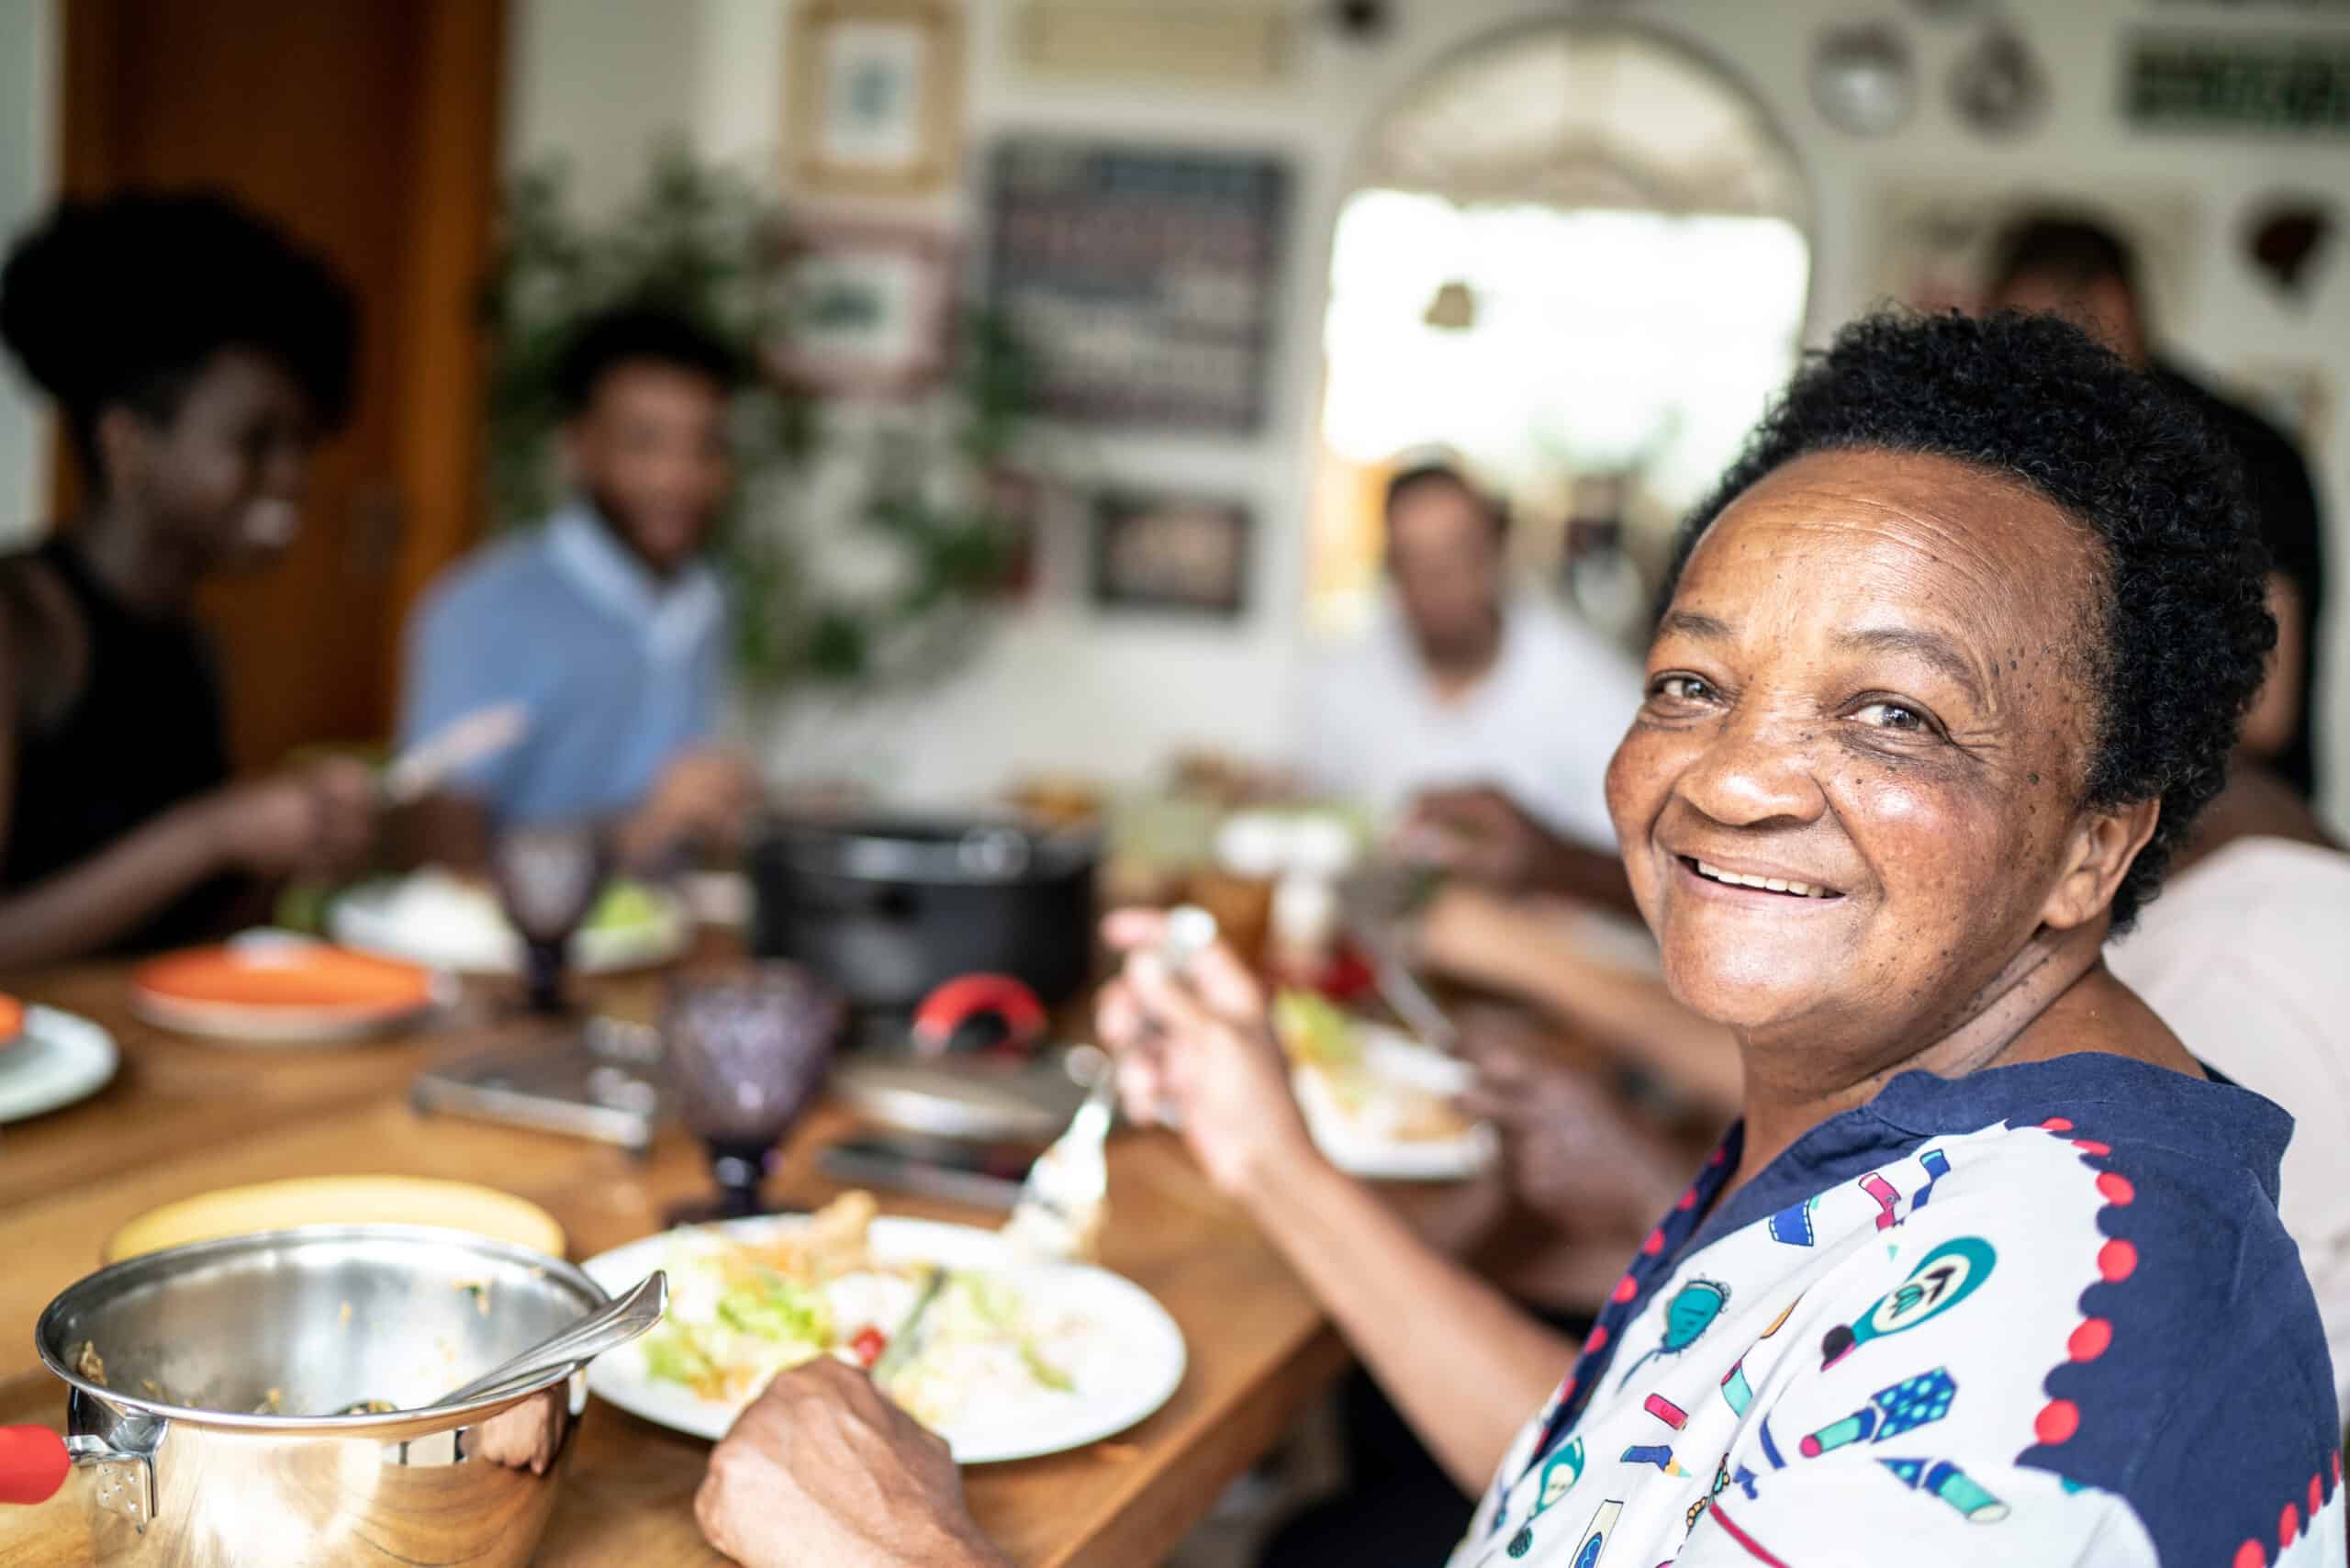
(1990, 1270)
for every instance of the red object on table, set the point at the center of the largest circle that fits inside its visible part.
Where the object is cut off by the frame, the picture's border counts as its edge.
(958, 1001)
(33, 1464)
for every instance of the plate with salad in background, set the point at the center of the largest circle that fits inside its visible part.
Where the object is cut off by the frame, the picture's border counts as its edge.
(1007, 1358)
(1379, 1104)
(454, 924)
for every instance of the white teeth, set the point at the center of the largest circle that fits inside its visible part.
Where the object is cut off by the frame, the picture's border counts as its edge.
(1772, 884)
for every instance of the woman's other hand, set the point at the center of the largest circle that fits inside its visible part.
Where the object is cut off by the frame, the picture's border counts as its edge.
(1197, 1049)
(822, 1471)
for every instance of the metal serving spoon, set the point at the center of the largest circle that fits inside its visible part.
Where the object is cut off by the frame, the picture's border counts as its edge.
(608, 1328)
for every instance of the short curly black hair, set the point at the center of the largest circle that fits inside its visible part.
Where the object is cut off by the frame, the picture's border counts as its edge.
(123, 300)
(2183, 634)
(645, 332)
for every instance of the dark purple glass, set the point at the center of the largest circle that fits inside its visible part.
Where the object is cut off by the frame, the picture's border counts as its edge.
(548, 879)
(747, 1050)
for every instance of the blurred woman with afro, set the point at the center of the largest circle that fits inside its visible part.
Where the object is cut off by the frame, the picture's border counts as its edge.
(197, 358)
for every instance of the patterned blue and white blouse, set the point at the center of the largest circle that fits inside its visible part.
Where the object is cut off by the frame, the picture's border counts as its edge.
(2041, 1315)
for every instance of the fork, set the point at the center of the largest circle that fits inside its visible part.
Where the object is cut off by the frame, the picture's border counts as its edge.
(1062, 1204)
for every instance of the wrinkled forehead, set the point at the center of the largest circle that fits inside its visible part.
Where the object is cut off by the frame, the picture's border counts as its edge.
(1838, 539)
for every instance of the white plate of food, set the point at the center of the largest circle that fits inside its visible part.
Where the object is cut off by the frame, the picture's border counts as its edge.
(1013, 1358)
(447, 922)
(53, 1060)
(1379, 1104)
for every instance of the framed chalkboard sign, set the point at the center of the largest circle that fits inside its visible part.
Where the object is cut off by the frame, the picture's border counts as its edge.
(2243, 82)
(1141, 279)
(1170, 554)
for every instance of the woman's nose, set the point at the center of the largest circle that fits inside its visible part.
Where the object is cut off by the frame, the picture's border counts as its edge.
(1755, 770)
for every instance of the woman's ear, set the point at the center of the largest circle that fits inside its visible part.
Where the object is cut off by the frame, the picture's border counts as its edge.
(2103, 847)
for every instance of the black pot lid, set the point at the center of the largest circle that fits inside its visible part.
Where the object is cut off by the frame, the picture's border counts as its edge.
(932, 849)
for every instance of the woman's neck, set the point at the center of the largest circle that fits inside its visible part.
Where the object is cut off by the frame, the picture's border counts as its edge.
(135, 562)
(2053, 997)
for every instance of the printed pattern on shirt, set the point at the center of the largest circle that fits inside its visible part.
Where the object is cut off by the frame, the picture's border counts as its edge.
(1972, 1341)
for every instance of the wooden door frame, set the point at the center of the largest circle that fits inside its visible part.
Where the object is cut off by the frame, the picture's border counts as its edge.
(451, 203)
(443, 411)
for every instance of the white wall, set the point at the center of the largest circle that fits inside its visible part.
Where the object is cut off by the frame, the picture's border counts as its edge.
(28, 73)
(1061, 686)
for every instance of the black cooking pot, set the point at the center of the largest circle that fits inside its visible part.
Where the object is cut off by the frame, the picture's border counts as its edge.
(888, 907)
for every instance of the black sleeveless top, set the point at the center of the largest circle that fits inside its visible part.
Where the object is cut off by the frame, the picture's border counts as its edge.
(144, 736)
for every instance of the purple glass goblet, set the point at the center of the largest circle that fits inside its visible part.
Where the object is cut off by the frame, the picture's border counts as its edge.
(747, 1050)
(549, 875)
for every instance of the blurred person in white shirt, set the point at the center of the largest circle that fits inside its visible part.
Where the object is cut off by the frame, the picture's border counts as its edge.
(1463, 683)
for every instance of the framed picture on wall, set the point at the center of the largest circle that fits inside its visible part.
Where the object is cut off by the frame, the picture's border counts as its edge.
(1183, 554)
(875, 96)
(1143, 279)
(868, 310)
(2215, 82)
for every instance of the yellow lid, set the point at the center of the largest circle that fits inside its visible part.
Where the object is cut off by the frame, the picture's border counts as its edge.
(339, 1199)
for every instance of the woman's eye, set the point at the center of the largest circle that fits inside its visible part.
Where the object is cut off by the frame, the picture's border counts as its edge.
(1683, 689)
(1895, 716)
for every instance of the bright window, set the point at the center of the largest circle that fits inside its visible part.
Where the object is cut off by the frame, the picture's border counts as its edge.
(1513, 299)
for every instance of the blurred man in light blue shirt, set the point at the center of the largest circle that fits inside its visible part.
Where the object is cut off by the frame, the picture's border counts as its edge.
(606, 625)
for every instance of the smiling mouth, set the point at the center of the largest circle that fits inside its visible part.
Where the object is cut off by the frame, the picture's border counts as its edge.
(1784, 886)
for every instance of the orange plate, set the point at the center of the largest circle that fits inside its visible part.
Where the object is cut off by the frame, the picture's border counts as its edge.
(307, 977)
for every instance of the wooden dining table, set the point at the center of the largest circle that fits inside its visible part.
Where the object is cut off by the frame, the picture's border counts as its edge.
(185, 1116)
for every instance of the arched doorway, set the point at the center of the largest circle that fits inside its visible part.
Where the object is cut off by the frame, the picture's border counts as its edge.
(1574, 255)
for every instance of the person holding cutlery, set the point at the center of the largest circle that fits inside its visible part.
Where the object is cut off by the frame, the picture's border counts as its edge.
(1988, 1268)
(605, 627)
(2236, 957)
(196, 357)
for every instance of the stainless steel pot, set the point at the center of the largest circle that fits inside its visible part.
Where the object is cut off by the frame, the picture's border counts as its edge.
(174, 1462)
